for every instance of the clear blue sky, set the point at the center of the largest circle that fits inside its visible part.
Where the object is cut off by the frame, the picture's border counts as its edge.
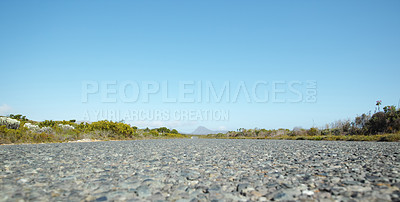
(48, 49)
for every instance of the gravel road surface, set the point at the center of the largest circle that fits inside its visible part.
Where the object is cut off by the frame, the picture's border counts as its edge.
(201, 170)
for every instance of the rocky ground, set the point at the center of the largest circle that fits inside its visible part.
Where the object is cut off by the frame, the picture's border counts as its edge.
(201, 170)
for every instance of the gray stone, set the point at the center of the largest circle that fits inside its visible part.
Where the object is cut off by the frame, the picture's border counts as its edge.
(143, 191)
(201, 170)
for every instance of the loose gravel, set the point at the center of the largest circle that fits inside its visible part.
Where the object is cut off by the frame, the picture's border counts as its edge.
(201, 170)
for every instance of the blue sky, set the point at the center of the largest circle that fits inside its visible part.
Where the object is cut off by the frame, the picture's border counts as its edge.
(49, 49)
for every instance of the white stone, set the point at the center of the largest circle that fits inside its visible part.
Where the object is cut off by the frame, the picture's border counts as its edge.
(308, 193)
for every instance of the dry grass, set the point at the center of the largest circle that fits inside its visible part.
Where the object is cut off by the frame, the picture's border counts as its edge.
(379, 138)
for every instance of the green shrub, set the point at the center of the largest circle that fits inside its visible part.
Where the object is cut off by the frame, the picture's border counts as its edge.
(47, 123)
(335, 131)
(377, 123)
(313, 132)
(119, 130)
(326, 132)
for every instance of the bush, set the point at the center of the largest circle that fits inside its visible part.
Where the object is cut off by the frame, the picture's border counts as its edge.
(313, 132)
(335, 131)
(119, 130)
(47, 123)
(392, 119)
(326, 132)
(18, 117)
(163, 130)
(377, 123)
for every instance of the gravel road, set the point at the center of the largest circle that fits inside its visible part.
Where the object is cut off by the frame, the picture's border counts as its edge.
(201, 170)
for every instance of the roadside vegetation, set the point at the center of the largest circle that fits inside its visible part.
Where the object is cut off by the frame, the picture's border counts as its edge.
(380, 126)
(16, 129)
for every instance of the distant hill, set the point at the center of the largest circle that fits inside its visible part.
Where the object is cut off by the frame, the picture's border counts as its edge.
(201, 130)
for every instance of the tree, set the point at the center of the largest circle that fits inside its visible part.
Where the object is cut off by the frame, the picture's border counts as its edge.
(360, 121)
(378, 103)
